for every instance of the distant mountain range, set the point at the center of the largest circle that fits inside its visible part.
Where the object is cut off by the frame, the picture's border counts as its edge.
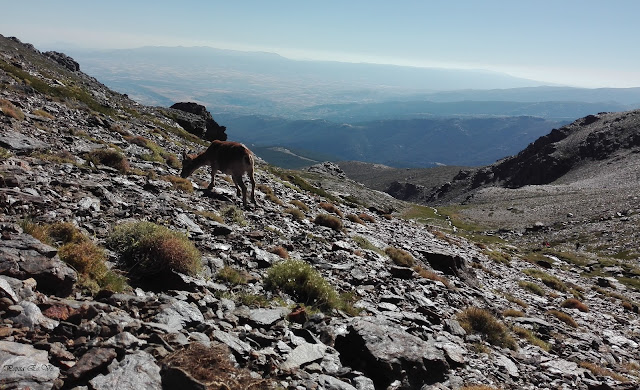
(295, 113)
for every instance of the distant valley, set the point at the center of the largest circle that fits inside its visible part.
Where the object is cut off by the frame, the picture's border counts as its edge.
(295, 113)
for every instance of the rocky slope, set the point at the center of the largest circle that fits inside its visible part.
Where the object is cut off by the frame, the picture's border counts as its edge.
(407, 327)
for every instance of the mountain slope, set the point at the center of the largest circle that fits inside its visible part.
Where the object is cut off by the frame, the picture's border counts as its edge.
(416, 298)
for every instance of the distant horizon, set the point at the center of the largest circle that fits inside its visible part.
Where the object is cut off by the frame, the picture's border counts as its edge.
(580, 43)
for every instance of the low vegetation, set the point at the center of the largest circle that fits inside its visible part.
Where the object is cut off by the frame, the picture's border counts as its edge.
(148, 250)
(400, 256)
(573, 303)
(480, 321)
(564, 317)
(269, 194)
(603, 371)
(231, 276)
(531, 338)
(8, 109)
(178, 183)
(532, 287)
(329, 221)
(109, 157)
(331, 208)
(355, 219)
(232, 214)
(431, 275)
(300, 204)
(305, 285)
(211, 365)
(548, 280)
(81, 253)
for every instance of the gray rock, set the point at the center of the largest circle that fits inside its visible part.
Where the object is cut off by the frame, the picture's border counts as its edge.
(236, 345)
(184, 221)
(508, 365)
(7, 291)
(303, 354)
(267, 317)
(21, 143)
(177, 314)
(385, 353)
(22, 367)
(136, 371)
(31, 317)
(331, 383)
(22, 257)
(92, 362)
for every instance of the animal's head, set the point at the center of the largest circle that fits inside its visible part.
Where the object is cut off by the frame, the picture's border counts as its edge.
(188, 165)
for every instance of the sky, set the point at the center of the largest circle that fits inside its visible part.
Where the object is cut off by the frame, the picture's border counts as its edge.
(569, 42)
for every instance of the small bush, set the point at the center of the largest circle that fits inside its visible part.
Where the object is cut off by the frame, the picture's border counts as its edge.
(400, 256)
(367, 217)
(476, 320)
(355, 219)
(331, 208)
(573, 303)
(231, 276)
(109, 157)
(149, 249)
(328, 221)
(532, 287)
(300, 204)
(564, 317)
(178, 183)
(300, 280)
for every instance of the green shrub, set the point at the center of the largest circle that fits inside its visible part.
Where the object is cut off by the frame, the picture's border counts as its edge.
(532, 287)
(109, 157)
(476, 320)
(231, 276)
(328, 221)
(400, 256)
(149, 249)
(300, 280)
(548, 280)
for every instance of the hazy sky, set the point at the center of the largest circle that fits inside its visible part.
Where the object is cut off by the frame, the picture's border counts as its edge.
(571, 42)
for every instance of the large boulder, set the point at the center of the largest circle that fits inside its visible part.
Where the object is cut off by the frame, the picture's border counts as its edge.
(195, 119)
(63, 60)
(23, 257)
(386, 353)
(24, 367)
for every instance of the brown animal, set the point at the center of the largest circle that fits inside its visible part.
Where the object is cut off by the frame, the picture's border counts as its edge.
(232, 158)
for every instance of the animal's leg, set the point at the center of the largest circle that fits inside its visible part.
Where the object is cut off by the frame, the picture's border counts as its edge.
(237, 179)
(253, 187)
(214, 169)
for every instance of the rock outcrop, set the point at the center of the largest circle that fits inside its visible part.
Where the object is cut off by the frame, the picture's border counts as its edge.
(195, 118)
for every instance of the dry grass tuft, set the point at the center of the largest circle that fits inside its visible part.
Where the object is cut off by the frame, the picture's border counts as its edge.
(573, 303)
(602, 371)
(328, 221)
(513, 313)
(426, 274)
(297, 214)
(8, 109)
(212, 365)
(531, 338)
(367, 218)
(109, 157)
(280, 251)
(300, 204)
(476, 320)
(400, 256)
(269, 194)
(564, 317)
(355, 219)
(178, 183)
(331, 208)
(232, 276)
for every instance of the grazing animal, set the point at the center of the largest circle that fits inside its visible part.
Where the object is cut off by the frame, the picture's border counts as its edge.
(232, 158)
